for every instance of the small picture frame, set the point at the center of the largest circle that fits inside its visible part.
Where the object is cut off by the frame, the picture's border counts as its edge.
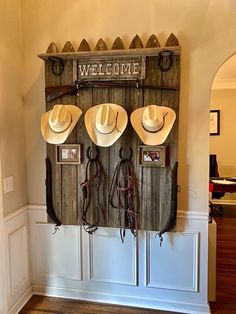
(152, 156)
(214, 122)
(68, 154)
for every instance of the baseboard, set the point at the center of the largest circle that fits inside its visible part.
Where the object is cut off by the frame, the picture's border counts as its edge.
(123, 300)
(21, 301)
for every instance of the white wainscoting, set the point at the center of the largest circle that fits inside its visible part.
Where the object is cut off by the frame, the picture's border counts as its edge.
(139, 272)
(111, 260)
(17, 259)
(178, 257)
(58, 255)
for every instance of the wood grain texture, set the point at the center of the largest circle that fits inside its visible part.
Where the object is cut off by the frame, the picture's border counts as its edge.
(153, 42)
(101, 45)
(153, 185)
(69, 177)
(84, 46)
(53, 80)
(40, 304)
(136, 43)
(225, 263)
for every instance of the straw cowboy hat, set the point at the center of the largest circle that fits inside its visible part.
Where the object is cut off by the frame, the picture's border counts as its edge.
(58, 123)
(153, 123)
(105, 123)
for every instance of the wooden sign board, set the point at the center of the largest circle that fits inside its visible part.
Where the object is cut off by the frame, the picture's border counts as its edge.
(112, 68)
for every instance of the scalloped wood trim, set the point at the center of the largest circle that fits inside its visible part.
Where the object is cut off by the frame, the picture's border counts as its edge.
(101, 45)
(136, 43)
(118, 44)
(84, 46)
(52, 48)
(172, 41)
(153, 42)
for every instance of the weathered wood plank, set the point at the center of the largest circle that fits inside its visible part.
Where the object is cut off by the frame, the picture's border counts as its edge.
(170, 99)
(69, 178)
(152, 42)
(106, 53)
(118, 44)
(101, 45)
(53, 80)
(153, 184)
(150, 177)
(68, 47)
(84, 46)
(172, 41)
(136, 43)
(52, 48)
(117, 96)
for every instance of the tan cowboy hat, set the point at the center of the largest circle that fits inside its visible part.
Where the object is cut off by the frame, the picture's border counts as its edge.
(153, 123)
(105, 123)
(58, 123)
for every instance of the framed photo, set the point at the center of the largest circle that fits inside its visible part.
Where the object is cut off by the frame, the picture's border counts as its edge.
(68, 154)
(152, 156)
(215, 122)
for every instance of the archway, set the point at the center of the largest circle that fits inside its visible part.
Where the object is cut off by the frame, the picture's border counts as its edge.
(223, 150)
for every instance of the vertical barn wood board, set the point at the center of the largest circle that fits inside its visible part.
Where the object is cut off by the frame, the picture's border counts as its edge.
(69, 177)
(53, 80)
(153, 185)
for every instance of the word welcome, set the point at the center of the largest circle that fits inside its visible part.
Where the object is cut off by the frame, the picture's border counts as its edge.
(117, 69)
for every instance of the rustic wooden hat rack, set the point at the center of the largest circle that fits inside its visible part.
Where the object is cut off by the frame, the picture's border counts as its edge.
(156, 81)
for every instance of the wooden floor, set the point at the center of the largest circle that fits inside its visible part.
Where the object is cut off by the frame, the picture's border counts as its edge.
(39, 305)
(226, 263)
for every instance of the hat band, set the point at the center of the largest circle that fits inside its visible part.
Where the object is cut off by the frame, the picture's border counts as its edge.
(164, 115)
(115, 127)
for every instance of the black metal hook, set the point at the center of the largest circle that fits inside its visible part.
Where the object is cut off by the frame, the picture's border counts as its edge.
(89, 153)
(121, 154)
(165, 54)
(55, 61)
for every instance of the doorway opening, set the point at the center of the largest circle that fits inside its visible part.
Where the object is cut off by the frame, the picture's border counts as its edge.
(222, 172)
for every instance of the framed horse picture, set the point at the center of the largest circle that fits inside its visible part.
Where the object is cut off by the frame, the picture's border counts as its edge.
(152, 156)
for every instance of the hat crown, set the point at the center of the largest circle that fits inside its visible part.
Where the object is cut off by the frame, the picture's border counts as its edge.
(59, 118)
(105, 120)
(153, 118)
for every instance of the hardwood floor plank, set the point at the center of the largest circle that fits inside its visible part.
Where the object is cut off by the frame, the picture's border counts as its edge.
(42, 305)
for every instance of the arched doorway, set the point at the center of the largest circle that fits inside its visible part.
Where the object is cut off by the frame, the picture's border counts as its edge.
(223, 150)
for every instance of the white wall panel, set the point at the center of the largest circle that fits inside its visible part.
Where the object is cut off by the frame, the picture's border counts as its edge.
(110, 259)
(99, 267)
(58, 255)
(18, 258)
(174, 265)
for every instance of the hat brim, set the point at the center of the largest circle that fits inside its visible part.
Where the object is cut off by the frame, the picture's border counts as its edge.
(52, 137)
(158, 137)
(100, 139)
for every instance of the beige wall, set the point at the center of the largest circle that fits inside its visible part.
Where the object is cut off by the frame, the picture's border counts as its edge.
(203, 28)
(12, 133)
(224, 144)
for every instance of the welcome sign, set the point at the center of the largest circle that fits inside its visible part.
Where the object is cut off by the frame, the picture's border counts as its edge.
(111, 68)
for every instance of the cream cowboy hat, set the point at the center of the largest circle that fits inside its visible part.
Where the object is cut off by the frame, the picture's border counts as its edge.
(153, 123)
(105, 123)
(58, 123)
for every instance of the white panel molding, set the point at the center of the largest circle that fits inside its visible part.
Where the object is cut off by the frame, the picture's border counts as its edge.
(104, 232)
(195, 266)
(78, 275)
(14, 214)
(21, 233)
(192, 215)
(21, 301)
(123, 299)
